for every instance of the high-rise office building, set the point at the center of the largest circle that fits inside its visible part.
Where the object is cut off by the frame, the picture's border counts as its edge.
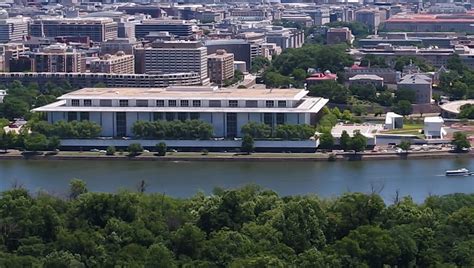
(179, 28)
(172, 57)
(13, 29)
(97, 29)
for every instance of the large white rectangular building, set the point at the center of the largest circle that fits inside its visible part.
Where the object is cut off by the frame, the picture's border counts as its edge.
(227, 110)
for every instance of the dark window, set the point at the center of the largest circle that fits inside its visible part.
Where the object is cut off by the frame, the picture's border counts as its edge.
(142, 103)
(105, 103)
(184, 103)
(84, 116)
(75, 102)
(172, 103)
(160, 103)
(169, 116)
(88, 103)
(182, 116)
(196, 103)
(194, 116)
(251, 103)
(268, 119)
(280, 119)
(231, 124)
(233, 103)
(281, 104)
(71, 116)
(214, 103)
(121, 123)
(157, 116)
(123, 103)
(269, 104)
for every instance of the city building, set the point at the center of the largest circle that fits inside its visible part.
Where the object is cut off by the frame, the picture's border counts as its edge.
(227, 110)
(366, 79)
(179, 28)
(241, 49)
(58, 58)
(285, 37)
(78, 80)
(220, 66)
(430, 23)
(173, 57)
(113, 46)
(339, 35)
(389, 75)
(13, 29)
(369, 17)
(421, 84)
(120, 63)
(433, 127)
(97, 29)
(317, 78)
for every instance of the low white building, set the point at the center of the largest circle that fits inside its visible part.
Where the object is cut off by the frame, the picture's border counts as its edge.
(3, 93)
(227, 110)
(393, 121)
(433, 127)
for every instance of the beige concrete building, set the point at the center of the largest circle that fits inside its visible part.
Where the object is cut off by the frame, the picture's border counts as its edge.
(119, 63)
(172, 57)
(58, 58)
(220, 66)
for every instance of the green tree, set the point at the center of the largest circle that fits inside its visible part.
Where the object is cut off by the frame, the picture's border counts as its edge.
(247, 144)
(326, 141)
(358, 142)
(161, 149)
(460, 141)
(331, 90)
(345, 141)
(36, 142)
(256, 130)
(134, 149)
(259, 63)
(159, 256)
(405, 94)
(54, 143)
(76, 188)
(403, 107)
(466, 111)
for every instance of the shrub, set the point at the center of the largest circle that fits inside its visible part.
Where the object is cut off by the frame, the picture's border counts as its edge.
(161, 149)
(135, 149)
(110, 150)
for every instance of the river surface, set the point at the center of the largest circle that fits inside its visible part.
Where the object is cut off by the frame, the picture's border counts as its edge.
(418, 178)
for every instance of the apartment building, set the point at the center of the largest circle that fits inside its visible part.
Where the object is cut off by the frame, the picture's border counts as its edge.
(227, 110)
(220, 66)
(173, 57)
(58, 58)
(97, 29)
(120, 63)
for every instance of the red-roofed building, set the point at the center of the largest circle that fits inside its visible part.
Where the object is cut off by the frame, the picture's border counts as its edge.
(431, 23)
(317, 78)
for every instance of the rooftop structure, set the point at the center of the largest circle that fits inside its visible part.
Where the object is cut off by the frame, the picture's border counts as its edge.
(433, 127)
(393, 121)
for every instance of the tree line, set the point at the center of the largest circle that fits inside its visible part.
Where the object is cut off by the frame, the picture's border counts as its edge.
(247, 227)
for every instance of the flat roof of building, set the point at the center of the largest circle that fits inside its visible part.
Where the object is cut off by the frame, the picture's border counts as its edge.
(191, 92)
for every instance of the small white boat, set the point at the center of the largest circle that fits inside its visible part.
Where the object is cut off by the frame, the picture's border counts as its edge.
(458, 172)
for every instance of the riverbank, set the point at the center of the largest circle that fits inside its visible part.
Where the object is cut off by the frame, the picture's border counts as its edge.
(273, 157)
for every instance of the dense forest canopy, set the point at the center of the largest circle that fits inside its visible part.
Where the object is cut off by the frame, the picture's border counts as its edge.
(248, 227)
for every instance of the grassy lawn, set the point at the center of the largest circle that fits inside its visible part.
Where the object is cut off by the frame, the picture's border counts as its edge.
(408, 129)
